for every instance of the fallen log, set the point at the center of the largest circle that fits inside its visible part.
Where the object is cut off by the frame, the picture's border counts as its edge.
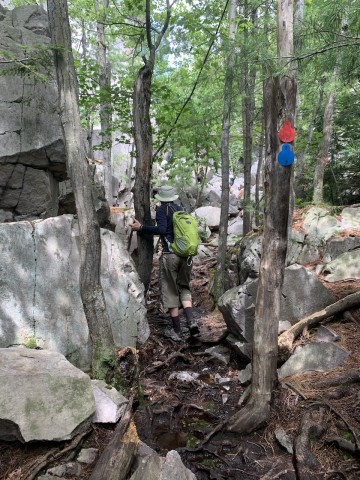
(286, 339)
(116, 460)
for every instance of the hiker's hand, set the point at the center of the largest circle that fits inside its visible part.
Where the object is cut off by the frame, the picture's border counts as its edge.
(136, 226)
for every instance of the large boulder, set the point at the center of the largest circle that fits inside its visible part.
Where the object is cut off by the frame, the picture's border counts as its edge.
(350, 218)
(318, 357)
(42, 396)
(32, 153)
(337, 246)
(211, 216)
(319, 225)
(302, 295)
(346, 266)
(40, 296)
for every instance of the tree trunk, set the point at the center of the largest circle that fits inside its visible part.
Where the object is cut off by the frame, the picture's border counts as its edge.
(105, 104)
(144, 147)
(300, 186)
(324, 154)
(259, 176)
(323, 160)
(279, 104)
(118, 456)
(218, 286)
(248, 107)
(89, 124)
(91, 290)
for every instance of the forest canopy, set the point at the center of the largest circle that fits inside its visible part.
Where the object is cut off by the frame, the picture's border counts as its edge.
(188, 78)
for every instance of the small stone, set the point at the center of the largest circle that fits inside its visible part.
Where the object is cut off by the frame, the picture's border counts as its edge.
(88, 455)
(284, 440)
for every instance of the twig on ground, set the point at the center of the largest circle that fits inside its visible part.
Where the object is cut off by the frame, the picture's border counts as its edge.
(296, 390)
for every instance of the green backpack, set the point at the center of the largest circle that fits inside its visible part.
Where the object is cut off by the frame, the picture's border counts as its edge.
(186, 236)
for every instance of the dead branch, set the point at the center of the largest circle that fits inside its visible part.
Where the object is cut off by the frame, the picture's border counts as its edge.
(166, 362)
(296, 390)
(200, 409)
(117, 458)
(287, 338)
(33, 468)
(273, 475)
(346, 378)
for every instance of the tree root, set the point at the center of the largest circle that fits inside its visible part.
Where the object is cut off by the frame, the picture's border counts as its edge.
(252, 416)
(166, 362)
(305, 461)
(33, 468)
(350, 377)
(343, 444)
(351, 429)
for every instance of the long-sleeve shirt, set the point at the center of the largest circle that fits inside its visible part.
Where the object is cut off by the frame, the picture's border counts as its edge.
(164, 224)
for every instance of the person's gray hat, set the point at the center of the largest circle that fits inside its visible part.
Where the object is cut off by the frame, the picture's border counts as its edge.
(166, 193)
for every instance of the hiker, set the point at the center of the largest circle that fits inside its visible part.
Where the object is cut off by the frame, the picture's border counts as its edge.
(175, 271)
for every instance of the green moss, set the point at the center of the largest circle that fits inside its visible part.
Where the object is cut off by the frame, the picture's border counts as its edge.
(348, 436)
(31, 343)
(192, 442)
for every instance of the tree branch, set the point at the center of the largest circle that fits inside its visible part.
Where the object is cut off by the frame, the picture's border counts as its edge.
(195, 84)
(148, 25)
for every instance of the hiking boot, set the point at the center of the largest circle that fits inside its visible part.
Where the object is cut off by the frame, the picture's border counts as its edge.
(193, 327)
(170, 333)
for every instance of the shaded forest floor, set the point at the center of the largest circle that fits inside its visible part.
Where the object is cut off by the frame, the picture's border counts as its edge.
(181, 415)
(176, 414)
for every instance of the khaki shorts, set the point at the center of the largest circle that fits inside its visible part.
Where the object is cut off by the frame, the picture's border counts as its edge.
(174, 279)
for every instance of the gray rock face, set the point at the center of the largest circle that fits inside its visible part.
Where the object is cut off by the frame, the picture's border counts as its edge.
(351, 217)
(302, 295)
(319, 357)
(344, 267)
(42, 396)
(40, 298)
(154, 467)
(32, 155)
(249, 257)
(319, 225)
(337, 246)
(110, 404)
